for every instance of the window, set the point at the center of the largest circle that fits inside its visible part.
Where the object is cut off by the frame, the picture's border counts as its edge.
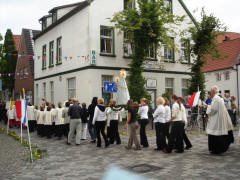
(37, 95)
(52, 91)
(169, 54)
(59, 50)
(169, 84)
(54, 17)
(168, 5)
(29, 95)
(44, 24)
(107, 40)
(25, 73)
(152, 52)
(44, 54)
(184, 87)
(219, 76)
(21, 74)
(71, 88)
(227, 75)
(51, 53)
(129, 4)
(185, 51)
(127, 46)
(44, 91)
(106, 96)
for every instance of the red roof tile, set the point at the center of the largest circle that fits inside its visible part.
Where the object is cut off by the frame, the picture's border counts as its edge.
(230, 51)
(230, 35)
(17, 39)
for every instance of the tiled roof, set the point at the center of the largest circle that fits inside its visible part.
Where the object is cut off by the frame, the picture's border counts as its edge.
(230, 35)
(230, 51)
(17, 39)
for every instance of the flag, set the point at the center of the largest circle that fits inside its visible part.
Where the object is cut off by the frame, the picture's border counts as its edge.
(21, 111)
(194, 99)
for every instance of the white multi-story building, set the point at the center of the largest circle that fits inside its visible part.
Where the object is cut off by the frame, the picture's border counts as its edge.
(78, 49)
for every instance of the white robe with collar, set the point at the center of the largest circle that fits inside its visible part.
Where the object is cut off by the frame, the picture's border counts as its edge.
(219, 121)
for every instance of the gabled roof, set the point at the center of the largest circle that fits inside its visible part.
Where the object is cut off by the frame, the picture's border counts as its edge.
(27, 37)
(17, 39)
(230, 51)
(84, 4)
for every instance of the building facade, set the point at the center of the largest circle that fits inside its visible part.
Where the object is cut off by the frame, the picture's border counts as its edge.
(80, 50)
(25, 65)
(224, 72)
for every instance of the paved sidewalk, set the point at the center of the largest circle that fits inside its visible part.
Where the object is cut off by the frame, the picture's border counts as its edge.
(86, 162)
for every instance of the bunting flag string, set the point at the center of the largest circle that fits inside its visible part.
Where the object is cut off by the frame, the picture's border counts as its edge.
(29, 57)
(2, 75)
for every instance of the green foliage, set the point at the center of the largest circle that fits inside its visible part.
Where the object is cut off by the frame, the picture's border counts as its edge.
(8, 63)
(204, 36)
(166, 95)
(147, 25)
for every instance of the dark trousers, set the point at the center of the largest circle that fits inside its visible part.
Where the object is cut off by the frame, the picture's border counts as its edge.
(176, 137)
(31, 125)
(186, 140)
(92, 130)
(143, 136)
(59, 130)
(114, 134)
(40, 129)
(160, 135)
(66, 129)
(100, 128)
(48, 130)
(167, 134)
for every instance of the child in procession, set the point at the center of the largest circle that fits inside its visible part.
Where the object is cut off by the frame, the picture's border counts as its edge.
(40, 116)
(85, 115)
(114, 116)
(143, 113)
(59, 121)
(31, 117)
(167, 117)
(11, 114)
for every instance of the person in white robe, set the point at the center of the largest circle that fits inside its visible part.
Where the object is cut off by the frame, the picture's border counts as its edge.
(31, 117)
(59, 121)
(219, 126)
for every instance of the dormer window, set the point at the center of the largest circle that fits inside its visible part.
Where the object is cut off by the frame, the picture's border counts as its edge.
(54, 17)
(129, 4)
(44, 24)
(168, 5)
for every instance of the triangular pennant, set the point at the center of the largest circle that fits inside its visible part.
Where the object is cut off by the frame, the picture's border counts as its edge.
(70, 57)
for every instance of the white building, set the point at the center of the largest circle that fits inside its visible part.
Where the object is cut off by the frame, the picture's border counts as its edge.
(224, 72)
(78, 50)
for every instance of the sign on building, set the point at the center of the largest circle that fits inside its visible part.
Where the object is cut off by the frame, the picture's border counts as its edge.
(93, 57)
(110, 87)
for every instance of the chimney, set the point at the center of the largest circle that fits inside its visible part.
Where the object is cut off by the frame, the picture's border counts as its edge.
(226, 38)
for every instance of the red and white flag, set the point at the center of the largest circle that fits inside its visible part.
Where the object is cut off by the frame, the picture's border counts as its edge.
(193, 101)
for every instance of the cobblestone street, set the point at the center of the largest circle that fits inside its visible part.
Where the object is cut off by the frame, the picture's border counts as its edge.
(86, 162)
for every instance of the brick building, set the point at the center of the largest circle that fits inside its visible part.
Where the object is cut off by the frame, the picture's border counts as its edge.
(25, 65)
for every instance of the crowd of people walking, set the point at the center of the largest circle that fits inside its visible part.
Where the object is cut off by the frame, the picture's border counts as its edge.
(170, 119)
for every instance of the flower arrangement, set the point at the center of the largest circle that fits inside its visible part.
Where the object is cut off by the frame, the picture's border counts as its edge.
(36, 152)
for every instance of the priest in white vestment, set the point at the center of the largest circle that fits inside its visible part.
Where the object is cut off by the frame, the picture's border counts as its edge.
(219, 126)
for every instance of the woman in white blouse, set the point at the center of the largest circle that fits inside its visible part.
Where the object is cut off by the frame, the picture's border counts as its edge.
(143, 113)
(167, 117)
(159, 120)
(176, 134)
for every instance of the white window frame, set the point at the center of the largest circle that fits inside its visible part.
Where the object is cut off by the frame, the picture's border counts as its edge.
(227, 75)
(105, 38)
(59, 50)
(37, 94)
(44, 90)
(219, 76)
(71, 90)
(25, 73)
(167, 86)
(106, 78)
(52, 91)
(185, 55)
(184, 86)
(44, 56)
(51, 53)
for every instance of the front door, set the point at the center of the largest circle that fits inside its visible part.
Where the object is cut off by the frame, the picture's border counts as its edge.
(153, 94)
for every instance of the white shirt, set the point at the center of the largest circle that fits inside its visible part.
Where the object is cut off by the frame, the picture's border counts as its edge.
(167, 113)
(99, 115)
(143, 112)
(59, 116)
(41, 119)
(219, 121)
(49, 117)
(11, 114)
(178, 113)
(66, 116)
(159, 114)
(30, 113)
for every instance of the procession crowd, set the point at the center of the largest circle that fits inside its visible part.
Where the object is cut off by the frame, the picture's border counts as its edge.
(170, 119)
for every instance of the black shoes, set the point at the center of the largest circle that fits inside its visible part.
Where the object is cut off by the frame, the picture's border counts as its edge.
(188, 147)
(67, 143)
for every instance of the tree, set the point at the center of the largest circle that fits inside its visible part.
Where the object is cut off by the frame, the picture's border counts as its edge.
(205, 43)
(147, 25)
(9, 61)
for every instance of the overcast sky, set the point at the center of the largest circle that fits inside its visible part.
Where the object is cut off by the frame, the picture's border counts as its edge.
(18, 14)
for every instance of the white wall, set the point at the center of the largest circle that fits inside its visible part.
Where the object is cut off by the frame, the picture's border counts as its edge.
(211, 80)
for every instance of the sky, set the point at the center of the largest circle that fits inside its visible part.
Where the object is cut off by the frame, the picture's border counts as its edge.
(18, 14)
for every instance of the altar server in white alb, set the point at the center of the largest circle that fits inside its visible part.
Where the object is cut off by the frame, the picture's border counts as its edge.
(31, 117)
(40, 116)
(219, 126)
(114, 117)
(59, 121)
(11, 114)
(48, 124)
(143, 113)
